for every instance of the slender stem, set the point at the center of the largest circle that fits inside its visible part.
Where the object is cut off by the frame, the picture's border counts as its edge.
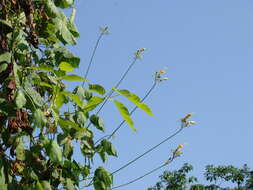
(148, 151)
(143, 154)
(116, 86)
(138, 178)
(133, 110)
(92, 57)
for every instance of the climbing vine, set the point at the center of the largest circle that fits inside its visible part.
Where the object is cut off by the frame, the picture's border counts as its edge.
(37, 131)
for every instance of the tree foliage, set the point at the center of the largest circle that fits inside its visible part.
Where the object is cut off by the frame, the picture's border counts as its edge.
(37, 132)
(241, 178)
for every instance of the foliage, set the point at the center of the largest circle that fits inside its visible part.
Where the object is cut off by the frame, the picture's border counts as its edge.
(178, 179)
(37, 134)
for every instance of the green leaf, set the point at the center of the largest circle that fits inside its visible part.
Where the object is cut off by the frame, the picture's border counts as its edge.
(63, 54)
(65, 66)
(39, 118)
(5, 57)
(3, 182)
(75, 98)
(59, 100)
(33, 94)
(82, 93)
(46, 185)
(65, 123)
(108, 147)
(102, 179)
(64, 3)
(135, 100)
(6, 26)
(93, 103)
(3, 67)
(83, 132)
(125, 114)
(97, 88)
(54, 151)
(97, 122)
(73, 78)
(51, 9)
(39, 186)
(20, 99)
(68, 149)
(63, 32)
(20, 151)
(44, 68)
(69, 184)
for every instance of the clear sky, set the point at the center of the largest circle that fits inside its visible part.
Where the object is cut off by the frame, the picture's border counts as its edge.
(207, 48)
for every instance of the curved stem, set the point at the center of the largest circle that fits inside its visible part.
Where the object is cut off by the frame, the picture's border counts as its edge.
(138, 178)
(92, 57)
(116, 86)
(148, 151)
(133, 110)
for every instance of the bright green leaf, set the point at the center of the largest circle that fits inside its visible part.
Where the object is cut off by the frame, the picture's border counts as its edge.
(72, 78)
(65, 66)
(3, 67)
(59, 100)
(44, 68)
(69, 184)
(135, 100)
(39, 186)
(97, 88)
(20, 99)
(125, 114)
(5, 57)
(20, 151)
(75, 98)
(46, 185)
(93, 103)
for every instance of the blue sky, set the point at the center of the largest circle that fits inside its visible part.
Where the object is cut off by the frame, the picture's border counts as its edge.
(206, 47)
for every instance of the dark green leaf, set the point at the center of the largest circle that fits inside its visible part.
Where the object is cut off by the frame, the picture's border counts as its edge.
(102, 179)
(64, 3)
(63, 54)
(97, 122)
(125, 114)
(53, 150)
(108, 147)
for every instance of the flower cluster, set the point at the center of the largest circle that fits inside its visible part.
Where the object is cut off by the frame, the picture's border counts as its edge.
(138, 53)
(158, 76)
(185, 122)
